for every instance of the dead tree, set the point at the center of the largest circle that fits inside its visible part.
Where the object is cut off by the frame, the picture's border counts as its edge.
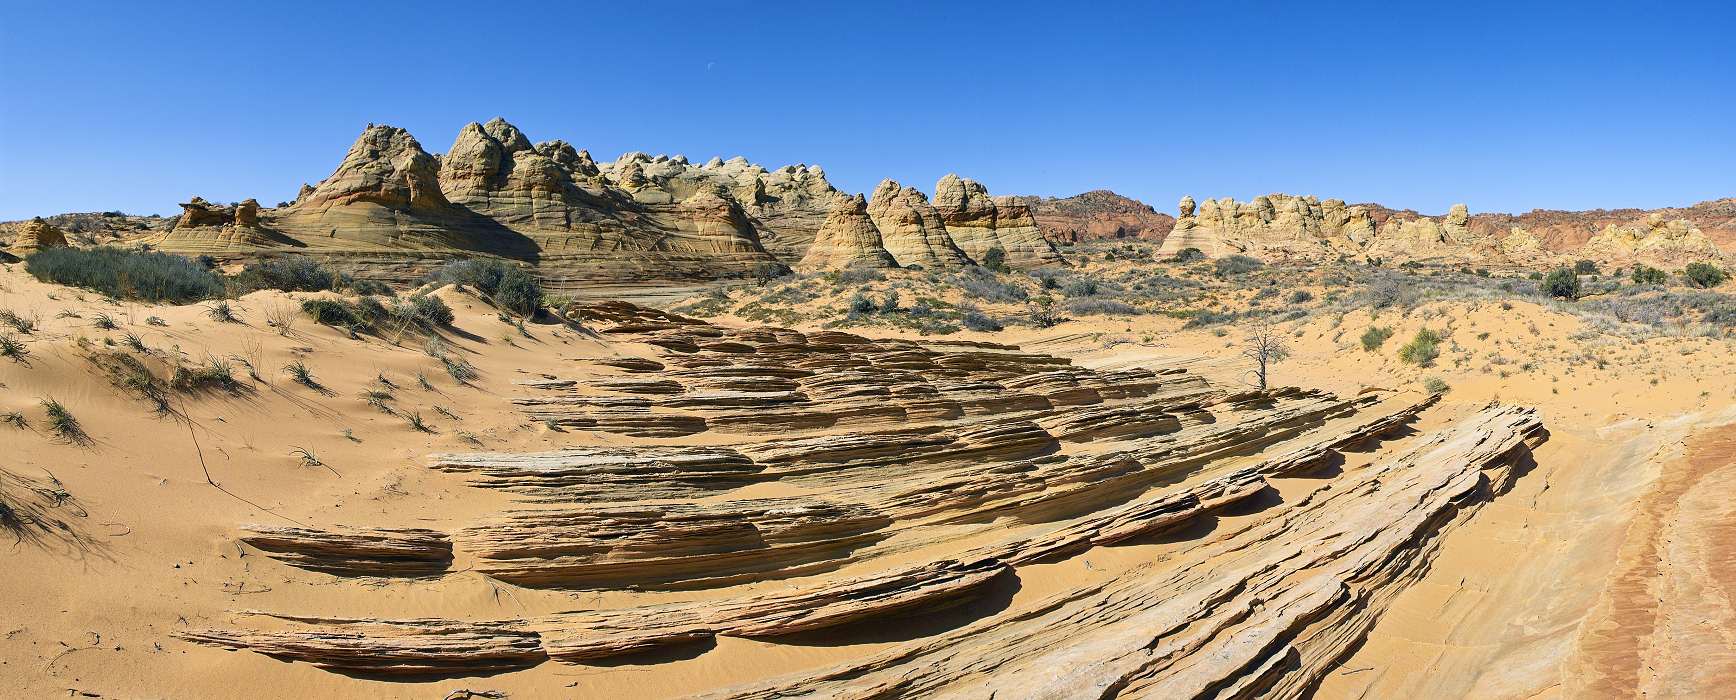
(1265, 346)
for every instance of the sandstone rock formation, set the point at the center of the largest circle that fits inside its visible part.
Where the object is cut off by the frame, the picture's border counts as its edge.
(978, 224)
(1097, 215)
(34, 235)
(847, 239)
(1660, 242)
(912, 230)
(921, 477)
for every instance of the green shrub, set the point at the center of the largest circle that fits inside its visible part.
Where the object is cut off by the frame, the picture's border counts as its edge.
(1704, 275)
(1301, 296)
(295, 273)
(1436, 385)
(126, 274)
(1649, 275)
(1235, 265)
(331, 312)
(370, 288)
(1374, 337)
(1585, 267)
(509, 287)
(1561, 284)
(430, 311)
(978, 321)
(995, 259)
(1422, 349)
(1187, 255)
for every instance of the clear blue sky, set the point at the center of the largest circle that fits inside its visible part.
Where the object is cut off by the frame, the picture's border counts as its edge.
(1506, 106)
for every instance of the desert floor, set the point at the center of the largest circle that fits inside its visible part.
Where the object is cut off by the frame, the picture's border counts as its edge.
(1607, 570)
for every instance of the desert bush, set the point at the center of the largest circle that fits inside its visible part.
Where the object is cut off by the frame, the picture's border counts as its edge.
(1374, 337)
(861, 304)
(995, 259)
(1384, 292)
(1301, 296)
(1704, 275)
(1422, 349)
(428, 311)
(856, 276)
(302, 374)
(1562, 284)
(975, 283)
(332, 312)
(1187, 255)
(1585, 267)
(1649, 275)
(1436, 385)
(1235, 265)
(976, 320)
(295, 273)
(126, 274)
(370, 288)
(509, 287)
(1081, 287)
(1043, 313)
(1100, 307)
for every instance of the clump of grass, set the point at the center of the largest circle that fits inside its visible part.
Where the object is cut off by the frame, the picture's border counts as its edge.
(136, 343)
(215, 373)
(126, 274)
(18, 323)
(416, 422)
(222, 312)
(302, 375)
(1422, 349)
(62, 422)
(155, 321)
(15, 419)
(296, 273)
(460, 369)
(444, 411)
(378, 398)
(422, 379)
(507, 286)
(105, 322)
(1374, 337)
(12, 348)
(470, 437)
(1436, 386)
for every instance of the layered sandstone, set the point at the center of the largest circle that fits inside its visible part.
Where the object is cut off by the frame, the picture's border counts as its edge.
(978, 223)
(847, 239)
(912, 230)
(34, 235)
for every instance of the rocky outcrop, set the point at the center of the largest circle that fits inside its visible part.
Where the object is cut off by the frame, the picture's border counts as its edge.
(847, 239)
(34, 235)
(1097, 215)
(978, 224)
(912, 230)
(355, 552)
(1659, 242)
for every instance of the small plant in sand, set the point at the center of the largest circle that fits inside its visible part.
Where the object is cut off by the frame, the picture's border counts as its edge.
(222, 312)
(302, 375)
(281, 317)
(995, 259)
(460, 369)
(306, 456)
(1374, 337)
(62, 422)
(1436, 386)
(134, 342)
(1422, 349)
(416, 422)
(22, 324)
(15, 419)
(155, 321)
(104, 322)
(12, 348)
(1043, 312)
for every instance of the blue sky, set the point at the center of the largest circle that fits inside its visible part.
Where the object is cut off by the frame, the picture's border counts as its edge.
(1506, 106)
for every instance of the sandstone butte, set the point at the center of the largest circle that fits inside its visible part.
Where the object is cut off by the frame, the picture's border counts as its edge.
(392, 211)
